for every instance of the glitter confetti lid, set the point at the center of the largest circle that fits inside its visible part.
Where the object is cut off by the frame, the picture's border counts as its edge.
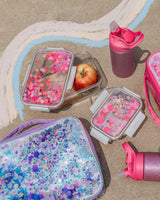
(117, 111)
(47, 78)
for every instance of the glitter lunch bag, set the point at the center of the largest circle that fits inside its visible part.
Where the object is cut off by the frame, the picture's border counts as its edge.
(54, 160)
(152, 80)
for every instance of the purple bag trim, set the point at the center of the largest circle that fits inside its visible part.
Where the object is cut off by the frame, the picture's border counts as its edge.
(27, 125)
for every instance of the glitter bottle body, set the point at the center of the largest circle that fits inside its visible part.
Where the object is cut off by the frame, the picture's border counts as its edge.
(151, 167)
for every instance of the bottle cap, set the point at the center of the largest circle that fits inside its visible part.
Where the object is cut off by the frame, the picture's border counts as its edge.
(123, 39)
(134, 163)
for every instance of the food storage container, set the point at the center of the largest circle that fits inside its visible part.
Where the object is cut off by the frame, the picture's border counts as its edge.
(48, 84)
(116, 113)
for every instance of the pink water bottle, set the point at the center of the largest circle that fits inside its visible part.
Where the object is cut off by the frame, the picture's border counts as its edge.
(141, 166)
(122, 42)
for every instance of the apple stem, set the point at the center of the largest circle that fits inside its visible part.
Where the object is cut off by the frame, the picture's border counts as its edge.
(82, 73)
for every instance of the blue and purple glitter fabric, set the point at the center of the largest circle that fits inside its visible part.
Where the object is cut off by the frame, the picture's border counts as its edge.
(56, 161)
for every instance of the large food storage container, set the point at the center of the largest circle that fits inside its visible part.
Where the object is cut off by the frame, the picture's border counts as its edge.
(48, 84)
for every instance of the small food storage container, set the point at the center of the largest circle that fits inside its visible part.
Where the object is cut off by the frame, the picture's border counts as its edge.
(115, 114)
(48, 84)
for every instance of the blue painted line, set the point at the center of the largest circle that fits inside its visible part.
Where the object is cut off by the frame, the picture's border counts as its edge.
(141, 15)
(89, 43)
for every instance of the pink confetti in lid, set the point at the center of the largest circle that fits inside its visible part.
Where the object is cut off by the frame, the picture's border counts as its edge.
(48, 77)
(115, 113)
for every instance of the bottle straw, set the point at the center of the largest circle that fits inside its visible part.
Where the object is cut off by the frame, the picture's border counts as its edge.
(121, 175)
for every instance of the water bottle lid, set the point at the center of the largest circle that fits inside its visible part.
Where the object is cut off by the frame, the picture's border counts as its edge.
(134, 162)
(123, 39)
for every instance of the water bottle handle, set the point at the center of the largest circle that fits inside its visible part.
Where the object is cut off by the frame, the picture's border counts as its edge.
(153, 114)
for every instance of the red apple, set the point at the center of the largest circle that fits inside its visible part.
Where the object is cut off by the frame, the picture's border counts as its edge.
(85, 75)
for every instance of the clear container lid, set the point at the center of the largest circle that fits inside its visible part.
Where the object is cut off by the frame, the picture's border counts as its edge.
(117, 111)
(47, 77)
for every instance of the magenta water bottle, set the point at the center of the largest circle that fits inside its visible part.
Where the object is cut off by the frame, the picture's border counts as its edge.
(122, 42)
(141, 166)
